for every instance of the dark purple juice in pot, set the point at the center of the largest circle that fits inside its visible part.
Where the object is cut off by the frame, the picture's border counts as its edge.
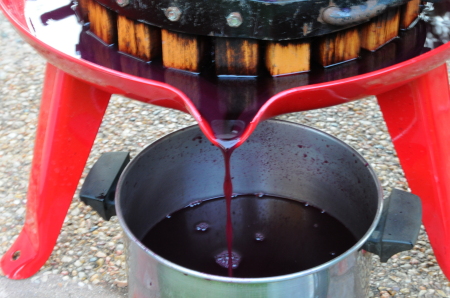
(272, 236)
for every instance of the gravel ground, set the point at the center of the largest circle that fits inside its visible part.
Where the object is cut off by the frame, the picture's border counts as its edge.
(89, 253)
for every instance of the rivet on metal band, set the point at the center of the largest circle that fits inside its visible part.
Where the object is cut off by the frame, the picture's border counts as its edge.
(122, 3)
(173, 13)
(234, 19)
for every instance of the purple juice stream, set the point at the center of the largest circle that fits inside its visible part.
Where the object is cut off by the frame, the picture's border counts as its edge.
(228, 133)
(228, 193)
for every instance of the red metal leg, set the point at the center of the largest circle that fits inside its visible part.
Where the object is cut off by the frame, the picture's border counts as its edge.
(418, 118)
(71, 113)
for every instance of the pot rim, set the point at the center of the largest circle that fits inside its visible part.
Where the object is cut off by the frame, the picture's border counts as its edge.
(258, 280)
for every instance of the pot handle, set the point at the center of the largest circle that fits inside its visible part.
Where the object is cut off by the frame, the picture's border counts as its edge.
(99, 187)
(399, 225)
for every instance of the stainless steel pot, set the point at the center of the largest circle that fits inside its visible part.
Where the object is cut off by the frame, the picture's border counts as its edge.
(280, 158)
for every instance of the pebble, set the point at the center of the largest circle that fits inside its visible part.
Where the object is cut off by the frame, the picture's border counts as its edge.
(100, 262)
(100, 254)
(75, 212)
(66, 259)
(396, 279)
(121, 283)
(405, 291)
(95, 281)
(414, 261)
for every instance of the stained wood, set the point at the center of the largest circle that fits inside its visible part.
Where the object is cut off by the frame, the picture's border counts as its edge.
(148, 41)
(83, 4)
(338, 47)
(181, 51)
(410, 12)
(186, 82)
(237, 95)
(381, 58)
(130, 65)
(92, 50)
(341, 71)
(138, 39)
(104, 56)
(282, 83)
(126, 36)
(411, 42)
(236, 56)
(287, 57)
(102, 22)
(380, 30)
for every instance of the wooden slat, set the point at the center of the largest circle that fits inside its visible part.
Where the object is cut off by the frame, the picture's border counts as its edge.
(137, 39)
(126, 36)
(380, 30)
(148, 40)
(186, 82)
(282, 83)
(102, 22)
(130, 65)
(410, 12)
(92, 49)
(287, 57)
(338, 47)
(411, 42)
(340, 71)
(181, 51)
(381, 58)
(237, 95)
(236, 56)
(84, 9)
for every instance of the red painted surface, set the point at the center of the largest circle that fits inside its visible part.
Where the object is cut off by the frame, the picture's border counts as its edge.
(409, 83)
(418, 118)
(70, 115)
